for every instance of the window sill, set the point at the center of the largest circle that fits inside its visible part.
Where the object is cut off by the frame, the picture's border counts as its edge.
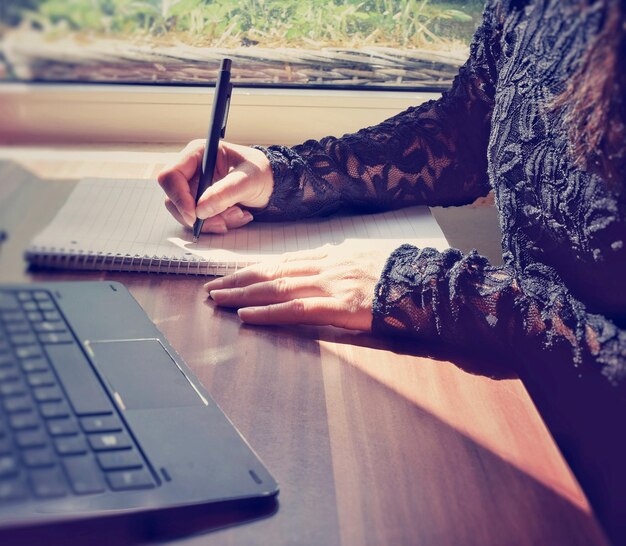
(72, 113)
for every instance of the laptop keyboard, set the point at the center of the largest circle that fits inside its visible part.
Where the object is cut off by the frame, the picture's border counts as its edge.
(60, 434)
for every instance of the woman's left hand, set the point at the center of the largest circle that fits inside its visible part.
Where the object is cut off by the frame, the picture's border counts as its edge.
(331, 285)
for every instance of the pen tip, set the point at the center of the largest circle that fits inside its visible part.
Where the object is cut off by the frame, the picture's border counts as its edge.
(195, 238)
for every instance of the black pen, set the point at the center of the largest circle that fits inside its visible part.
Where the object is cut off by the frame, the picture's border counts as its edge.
(217, 130)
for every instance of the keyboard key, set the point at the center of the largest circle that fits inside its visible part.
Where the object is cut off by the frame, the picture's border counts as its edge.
(41, 379)
(24, 295)
(70, 445)
(8, 466)
(38, 364)
(38, 458)
(130, 479)
(35, 316)
(5, 445)
(40, 295)
(46, 306)
(52, 410)
(22, 339)
(8, 302)
(12, 388)
(29, 351)
(62, 427)
(21, 327)
(110, 441)
(84, 475)
(48, 394)
(8, 373)
(13, 316)
(118, 460)
(31, 438)
(56, 337)
(48, 326)
(84, 390)
(24, 421)
(48, 482)
(17, 404)
(6, 359)
(30, 306)
(12, 490)
(107, 423)
(52, 315)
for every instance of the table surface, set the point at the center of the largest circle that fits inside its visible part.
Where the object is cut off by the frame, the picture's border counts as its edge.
(373, 441)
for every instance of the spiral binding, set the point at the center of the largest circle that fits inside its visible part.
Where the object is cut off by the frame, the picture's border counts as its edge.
(62, 258)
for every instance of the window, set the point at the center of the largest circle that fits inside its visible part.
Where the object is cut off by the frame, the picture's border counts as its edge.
(396, 44)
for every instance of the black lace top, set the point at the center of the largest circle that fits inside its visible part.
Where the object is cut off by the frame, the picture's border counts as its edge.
(561, 292)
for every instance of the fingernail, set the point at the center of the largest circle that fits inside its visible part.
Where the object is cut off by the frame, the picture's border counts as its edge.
(217, 294)
(215, 284)
(247, 216)
(247, 313)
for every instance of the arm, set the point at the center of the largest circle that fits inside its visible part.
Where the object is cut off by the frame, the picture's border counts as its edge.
(434, 154)
(461, 299)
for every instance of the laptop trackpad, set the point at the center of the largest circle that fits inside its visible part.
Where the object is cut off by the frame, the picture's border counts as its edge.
(143, 374)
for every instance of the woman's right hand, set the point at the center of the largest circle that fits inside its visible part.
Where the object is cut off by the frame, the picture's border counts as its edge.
(243, 177)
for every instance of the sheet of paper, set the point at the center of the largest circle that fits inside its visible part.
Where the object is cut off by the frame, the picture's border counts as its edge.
(128, 218)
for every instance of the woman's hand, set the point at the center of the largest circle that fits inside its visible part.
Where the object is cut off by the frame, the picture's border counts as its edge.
(331, 285)
(243, 176)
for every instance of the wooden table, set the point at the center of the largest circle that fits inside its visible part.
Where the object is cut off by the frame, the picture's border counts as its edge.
(373, 441)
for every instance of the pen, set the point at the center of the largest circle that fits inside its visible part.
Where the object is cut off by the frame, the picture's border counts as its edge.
(217, 130)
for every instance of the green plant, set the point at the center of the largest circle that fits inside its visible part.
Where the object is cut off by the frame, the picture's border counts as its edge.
(396, 23)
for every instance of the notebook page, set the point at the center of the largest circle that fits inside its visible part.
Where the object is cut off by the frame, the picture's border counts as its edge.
(128, 218)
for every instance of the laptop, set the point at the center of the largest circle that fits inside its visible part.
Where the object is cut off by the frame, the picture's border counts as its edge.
(100, 416)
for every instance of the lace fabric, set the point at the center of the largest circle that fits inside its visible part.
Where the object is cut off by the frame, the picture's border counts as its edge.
(560, 294)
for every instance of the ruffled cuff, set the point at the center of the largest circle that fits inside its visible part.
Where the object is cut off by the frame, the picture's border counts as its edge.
(421, 292)
(392, 289)
(287, 170)
(298, 192)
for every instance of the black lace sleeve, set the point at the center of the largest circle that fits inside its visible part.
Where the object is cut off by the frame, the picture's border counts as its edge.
(462, 300)
(433, 154)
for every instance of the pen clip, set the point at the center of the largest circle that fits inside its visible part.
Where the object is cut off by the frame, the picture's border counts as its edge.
(226, 110)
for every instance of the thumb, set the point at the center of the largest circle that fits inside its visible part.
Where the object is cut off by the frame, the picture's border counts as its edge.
(237, 187)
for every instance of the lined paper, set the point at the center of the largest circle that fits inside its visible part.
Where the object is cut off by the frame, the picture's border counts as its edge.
(127, 219)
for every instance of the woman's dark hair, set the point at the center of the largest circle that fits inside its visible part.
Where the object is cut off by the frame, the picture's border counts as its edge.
(594, 103)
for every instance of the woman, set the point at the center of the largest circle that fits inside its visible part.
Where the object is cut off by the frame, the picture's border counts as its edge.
(537, 115)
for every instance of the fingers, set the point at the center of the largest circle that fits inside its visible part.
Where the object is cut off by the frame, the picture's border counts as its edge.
(178, 182)
(243, 175)
(311, 311)
(234, 188)
(231, 218)
(269, 292)
(304, 291)
(173, 210)
(263, 273)
(279, 293)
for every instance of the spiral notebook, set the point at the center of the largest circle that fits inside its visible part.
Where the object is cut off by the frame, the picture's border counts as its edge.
(123, 225)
